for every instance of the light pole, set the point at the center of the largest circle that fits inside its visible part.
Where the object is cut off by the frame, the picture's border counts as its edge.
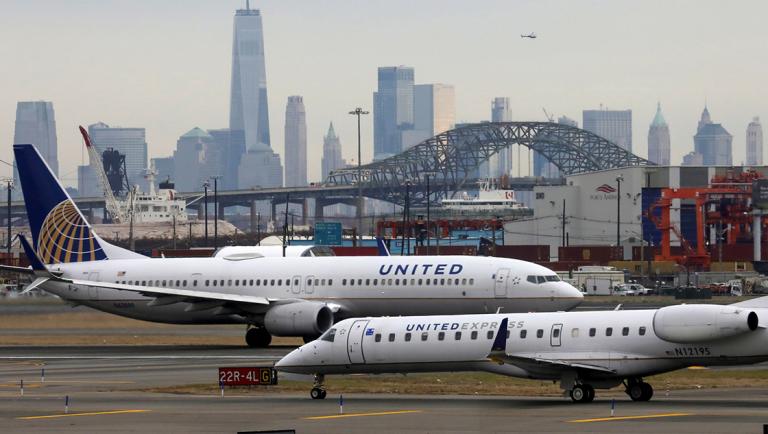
(618, 209)
(427, 175)
(205, 207)
(358, 112)
(216, 211)
(258, 228)
(10, 186)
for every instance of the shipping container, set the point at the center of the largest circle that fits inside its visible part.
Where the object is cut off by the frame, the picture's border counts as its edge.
(594, 254)
(530, 253)
(355, 251)
(447, 250)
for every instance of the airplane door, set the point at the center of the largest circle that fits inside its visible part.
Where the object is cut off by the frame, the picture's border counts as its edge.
(500, 288)
(296, 284)
(556, 335)
(309, 288)
(355, 341)
(93, 292)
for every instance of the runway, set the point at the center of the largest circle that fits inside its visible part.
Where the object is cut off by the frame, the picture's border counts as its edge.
(107, 386)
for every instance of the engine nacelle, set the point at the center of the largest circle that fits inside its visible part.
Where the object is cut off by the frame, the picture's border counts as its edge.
(302, 318)
(689, 324)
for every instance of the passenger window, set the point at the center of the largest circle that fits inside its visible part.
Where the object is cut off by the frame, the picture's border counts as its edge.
(250, 282)
(458, 336)
(556, 333)
(207, 283)
(144, 282)
(424, 336)
(279, 282)
(329, 335)
(506, 335)
(258, 282)
(360, 282)
(441, 336)
(471, 281)
(367, 282)
(420, 281)
(397, 281)
(405, 282)
(309, 282)
(163, 282)
(642, 331)
(330, 282)
(391, 337)
(194, 283)
(473, 336)
(592, 332)
(229, 282)
(625, 331)
(377, 338)
(343, 282)
(426, 281)
(237, 282)
(214, 282)
(457, 282)
(295, 282)
(442, 282)
(575, 333)
(184, 283)
(490, 334)
(609, 331)
(407, 337)
(539, 333)
(272, 282)
(178, 283)
(531, 279)
(464, 281)
(221, 282)
(389, 281)
(523, 333)
(375, 282)
(449, 281)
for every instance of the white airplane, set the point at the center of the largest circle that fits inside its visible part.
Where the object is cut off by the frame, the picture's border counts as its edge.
(291, 296)
(584, 351)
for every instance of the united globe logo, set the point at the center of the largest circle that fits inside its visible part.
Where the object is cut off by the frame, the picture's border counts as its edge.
(66, 237)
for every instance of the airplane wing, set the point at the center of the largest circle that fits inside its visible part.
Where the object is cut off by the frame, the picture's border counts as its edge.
(537, 363)
(22, 270)
(760, 302)
(499, 354)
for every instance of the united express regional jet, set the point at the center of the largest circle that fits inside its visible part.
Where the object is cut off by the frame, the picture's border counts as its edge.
(298, 296)
(584, 351)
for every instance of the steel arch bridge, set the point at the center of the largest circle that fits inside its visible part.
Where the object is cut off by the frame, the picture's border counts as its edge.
(450, 159)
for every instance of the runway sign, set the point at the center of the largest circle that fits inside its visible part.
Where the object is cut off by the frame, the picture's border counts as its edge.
(328, 233)
(256, 376)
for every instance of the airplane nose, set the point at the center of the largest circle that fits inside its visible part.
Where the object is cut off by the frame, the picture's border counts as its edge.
(292, 359)
(572, 294)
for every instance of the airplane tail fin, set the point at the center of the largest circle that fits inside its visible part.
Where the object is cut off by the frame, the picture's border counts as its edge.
(382, 246)
(60, 233)
(500, 343)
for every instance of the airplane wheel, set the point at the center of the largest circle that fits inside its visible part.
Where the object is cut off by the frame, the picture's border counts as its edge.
(258, 337)
(580, 393)
(647, 392)
(590, 393)
(317, 393)
(640, 391)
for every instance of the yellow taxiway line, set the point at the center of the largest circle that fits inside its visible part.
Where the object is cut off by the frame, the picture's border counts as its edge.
(93, 413)
(646, 416)
(380, 413)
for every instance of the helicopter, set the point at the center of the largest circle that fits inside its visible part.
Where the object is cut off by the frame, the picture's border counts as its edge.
(530, 36)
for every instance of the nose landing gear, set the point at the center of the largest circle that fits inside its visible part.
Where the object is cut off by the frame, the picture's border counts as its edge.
(318, 387)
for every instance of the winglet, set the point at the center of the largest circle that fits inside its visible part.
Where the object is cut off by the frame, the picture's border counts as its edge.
(34, 260)
(500, 343)
(382, 246)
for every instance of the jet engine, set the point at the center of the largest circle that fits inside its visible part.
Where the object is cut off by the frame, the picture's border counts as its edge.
(302, 318)
(689, 324)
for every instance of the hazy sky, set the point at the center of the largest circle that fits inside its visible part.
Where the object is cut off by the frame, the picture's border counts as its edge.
(165, 65)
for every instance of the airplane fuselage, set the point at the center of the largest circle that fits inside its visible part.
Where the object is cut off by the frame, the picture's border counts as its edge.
(355, 286)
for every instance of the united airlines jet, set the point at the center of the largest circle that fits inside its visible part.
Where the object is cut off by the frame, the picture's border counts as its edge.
(291, 296)
(583, 351)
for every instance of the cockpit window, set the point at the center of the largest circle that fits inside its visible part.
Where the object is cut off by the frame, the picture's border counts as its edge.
(329, 335)
(541, 279)
(531, 279)
(553, 278)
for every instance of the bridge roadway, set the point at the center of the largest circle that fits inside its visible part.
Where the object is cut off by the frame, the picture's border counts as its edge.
(323, 195)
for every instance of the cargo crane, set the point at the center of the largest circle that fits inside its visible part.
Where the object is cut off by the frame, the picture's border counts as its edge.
(726, 202)
(109, 198)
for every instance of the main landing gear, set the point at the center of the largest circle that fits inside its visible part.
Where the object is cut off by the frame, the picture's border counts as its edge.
(318, 387)
(258, 337)
(582, 393)
(638, 390)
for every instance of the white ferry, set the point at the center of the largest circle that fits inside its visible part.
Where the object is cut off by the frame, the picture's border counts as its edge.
(156, 206)
(490, 199)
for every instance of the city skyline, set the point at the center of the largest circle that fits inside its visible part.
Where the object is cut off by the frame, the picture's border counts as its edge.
(131, 79)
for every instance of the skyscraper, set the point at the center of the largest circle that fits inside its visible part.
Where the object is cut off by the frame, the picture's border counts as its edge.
(331, 153)
(658, 139)
(434, 111)
(131, 142)
(755, 143)
(614, 125)
(36, 124)
(500, 163)
(392, 110)
(295, 142)
(248, 110)
(189, 160)
(713, 142)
